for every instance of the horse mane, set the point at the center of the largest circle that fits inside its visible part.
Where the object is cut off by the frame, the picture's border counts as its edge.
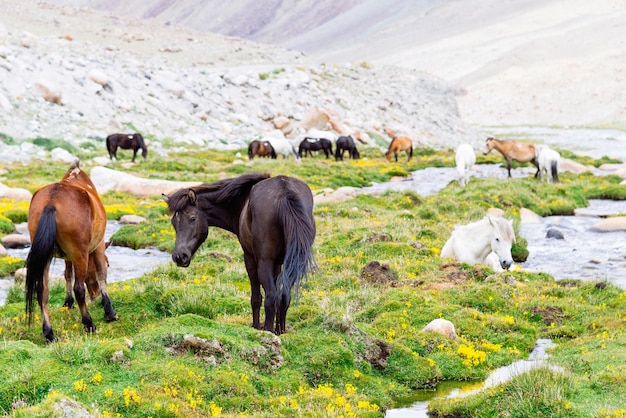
(227, 189)
(504, 227)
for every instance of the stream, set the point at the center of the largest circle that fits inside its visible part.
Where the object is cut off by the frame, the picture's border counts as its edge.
(417, 405)
(124, 263)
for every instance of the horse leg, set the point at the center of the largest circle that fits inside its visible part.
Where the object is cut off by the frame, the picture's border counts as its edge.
(134, 154)
(43, 294)
(69, 282)
(508, 166)
(80, 276)
(255, 298)
(100, 262)
(267, 279)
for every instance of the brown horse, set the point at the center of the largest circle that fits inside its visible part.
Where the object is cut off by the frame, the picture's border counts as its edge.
(273, 219)
(399, 144)
(67, 220)
(126, 141)
(512, 150)
(261, 149)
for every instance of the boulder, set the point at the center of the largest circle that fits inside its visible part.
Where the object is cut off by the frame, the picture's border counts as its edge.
(441, 326)
(14, 193)
(616, 223)
(15, 241)
(106, 180)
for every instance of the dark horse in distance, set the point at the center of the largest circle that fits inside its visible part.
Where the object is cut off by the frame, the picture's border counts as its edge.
(261, 149)
(126, 141)
(66, 219)
(273, 219)
(307, 145)
(346, 143)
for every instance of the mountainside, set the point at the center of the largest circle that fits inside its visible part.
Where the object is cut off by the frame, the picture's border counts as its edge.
(79, 74)
(535, 62)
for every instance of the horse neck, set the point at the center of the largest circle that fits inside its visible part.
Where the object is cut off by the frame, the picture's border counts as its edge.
(480, 232)
(223, 215)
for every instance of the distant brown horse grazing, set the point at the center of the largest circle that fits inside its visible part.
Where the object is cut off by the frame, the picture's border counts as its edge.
(126, 141)
(513, 150)
(273, 220)
(67, 220)
(399, 144)
(261, 149)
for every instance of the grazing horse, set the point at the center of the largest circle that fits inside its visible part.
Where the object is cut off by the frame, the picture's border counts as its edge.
(261, 149)
(513, 150)
(465, 159)
(399, 144)
(67, 220)
(548, 162)
(126, 141)
(346, 143)
(282, 146)
(309, 144)
(487, 241)
(273, 219)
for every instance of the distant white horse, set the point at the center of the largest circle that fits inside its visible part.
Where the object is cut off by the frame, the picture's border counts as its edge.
(548, 162)
(465, 159)
(282, 146)
(487, 241)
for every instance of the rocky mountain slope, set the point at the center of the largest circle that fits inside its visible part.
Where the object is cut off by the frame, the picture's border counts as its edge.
(531, 62)
(79, 74)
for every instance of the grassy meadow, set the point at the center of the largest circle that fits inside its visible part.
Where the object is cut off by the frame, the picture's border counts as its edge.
(184, 347)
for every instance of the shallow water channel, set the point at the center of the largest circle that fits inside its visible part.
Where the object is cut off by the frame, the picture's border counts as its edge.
(124, 263)
(417, 405)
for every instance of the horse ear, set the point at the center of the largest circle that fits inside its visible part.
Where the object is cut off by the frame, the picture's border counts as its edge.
(165, 198)
(192, 196)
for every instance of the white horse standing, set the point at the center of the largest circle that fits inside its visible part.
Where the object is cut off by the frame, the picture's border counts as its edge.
(548, 162)
(465, 158)
(282, 146)
(487, 241)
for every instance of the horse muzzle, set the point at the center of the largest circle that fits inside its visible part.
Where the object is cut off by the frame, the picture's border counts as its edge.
(181, 259)
(506, 264)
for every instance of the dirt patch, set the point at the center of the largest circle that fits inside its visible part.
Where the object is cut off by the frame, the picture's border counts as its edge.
(377, 353)
(549, 314)
(376, 273)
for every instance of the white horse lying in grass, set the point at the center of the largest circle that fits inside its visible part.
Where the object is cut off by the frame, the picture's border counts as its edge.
(465, 159)
(487, 241)
(548, 162)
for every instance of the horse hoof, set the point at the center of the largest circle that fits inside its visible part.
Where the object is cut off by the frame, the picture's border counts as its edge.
(111, 318)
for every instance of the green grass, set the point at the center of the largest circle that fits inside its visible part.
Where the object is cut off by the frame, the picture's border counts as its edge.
(352, 347)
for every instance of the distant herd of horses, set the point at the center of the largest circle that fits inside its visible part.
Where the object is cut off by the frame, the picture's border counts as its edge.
(272, 218)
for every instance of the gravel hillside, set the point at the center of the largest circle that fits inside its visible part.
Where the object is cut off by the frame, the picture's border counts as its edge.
(80, 74)
(523, 62)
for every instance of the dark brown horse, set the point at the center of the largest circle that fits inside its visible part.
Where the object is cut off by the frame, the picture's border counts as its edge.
(261, 149)
(399, 144)
(346, 143)
(273, 219)
(126, 141)
(67, 220)
(513, 150)
(307, 145)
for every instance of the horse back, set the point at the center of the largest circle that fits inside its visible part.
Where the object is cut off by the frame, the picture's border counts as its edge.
(80, 215)
(263, 229)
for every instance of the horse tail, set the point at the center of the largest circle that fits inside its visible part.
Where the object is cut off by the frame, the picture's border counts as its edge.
(109, 146)
(39, 256)
(299, 232)
(555, 170)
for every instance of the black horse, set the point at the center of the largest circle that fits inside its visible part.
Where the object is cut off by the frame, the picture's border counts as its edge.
(126, 141)
(346, 143)
(261, 149)
(309, 144)
(273, 219)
